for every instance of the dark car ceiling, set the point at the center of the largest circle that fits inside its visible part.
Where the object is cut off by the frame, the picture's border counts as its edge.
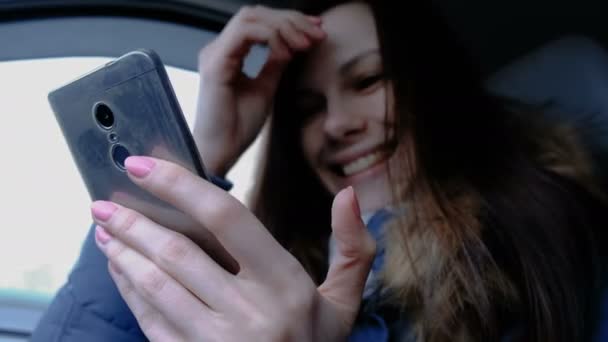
(498, 30)
(495, 31)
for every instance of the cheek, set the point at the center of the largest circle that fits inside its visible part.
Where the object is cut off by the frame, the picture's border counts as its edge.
(375, 105)
(381, 110)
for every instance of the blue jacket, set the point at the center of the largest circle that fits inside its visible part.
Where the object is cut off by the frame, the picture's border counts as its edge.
(88, 307)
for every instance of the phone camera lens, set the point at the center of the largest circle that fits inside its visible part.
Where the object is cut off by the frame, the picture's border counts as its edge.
(119, 155)
(104, 116)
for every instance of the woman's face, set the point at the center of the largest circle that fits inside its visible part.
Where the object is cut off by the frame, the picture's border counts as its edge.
(343, 95)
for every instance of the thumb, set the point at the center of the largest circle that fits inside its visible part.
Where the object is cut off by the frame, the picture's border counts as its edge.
(355, 251)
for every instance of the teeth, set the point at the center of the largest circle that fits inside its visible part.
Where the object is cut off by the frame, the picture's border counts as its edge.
(361, 163)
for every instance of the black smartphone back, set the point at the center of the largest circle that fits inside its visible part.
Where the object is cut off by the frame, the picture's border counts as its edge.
(128, 107)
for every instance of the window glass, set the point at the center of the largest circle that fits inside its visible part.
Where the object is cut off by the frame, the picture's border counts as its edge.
(45, 205)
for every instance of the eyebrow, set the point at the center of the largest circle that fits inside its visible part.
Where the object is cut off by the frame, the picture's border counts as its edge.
(343, 70)
(347, 66)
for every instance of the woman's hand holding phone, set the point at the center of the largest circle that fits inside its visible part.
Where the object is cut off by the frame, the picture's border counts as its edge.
(232, 107)
(178, 293)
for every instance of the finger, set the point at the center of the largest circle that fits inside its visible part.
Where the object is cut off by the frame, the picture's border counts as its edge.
(222, 59)
(308, 26)
(154, 286)
(151, 322)
(251, 25)
(355, 251)
(257, 25)
(300, 28)
(279, 49)
(314, 19)
(235, 227)
(172, 252)
(180, 223)
(268, 78)
(296, 39)
(238, 41)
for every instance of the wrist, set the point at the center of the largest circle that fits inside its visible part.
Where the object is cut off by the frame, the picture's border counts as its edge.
(213, 164)
(214, 156)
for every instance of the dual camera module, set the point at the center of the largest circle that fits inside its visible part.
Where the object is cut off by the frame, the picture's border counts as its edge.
(106, 120)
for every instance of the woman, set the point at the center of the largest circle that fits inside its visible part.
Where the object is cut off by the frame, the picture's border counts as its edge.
(490, 233)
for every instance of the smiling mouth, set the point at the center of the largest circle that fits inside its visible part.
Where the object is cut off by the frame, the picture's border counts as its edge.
(361, 164)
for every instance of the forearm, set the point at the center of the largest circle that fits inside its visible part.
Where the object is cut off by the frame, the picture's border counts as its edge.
(213, 156)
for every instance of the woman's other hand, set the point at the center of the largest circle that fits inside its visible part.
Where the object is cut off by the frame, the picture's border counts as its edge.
(232, 107)
(178, 293)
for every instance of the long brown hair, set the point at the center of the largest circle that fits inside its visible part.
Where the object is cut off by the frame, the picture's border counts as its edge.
(493, 241)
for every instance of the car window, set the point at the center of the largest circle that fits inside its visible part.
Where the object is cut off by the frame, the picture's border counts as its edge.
(45, 206)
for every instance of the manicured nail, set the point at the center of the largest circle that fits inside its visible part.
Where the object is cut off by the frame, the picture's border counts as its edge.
(356, 208)
(103, 210)
(102, 235)
(139, 166)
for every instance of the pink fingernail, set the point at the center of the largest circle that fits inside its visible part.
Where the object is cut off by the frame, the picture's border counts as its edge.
(139, 166)
(103, 210)
(102, 235)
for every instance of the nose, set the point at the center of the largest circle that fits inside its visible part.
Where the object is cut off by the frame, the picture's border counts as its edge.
(342, 121)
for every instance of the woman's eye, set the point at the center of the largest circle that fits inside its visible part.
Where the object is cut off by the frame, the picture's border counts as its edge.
(309, 108)
(367, 82)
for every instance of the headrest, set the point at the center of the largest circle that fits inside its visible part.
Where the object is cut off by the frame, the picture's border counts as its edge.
(569, 78)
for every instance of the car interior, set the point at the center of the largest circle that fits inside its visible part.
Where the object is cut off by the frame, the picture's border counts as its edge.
(546, 53)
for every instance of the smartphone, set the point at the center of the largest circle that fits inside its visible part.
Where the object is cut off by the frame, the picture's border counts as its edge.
(128, 107)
